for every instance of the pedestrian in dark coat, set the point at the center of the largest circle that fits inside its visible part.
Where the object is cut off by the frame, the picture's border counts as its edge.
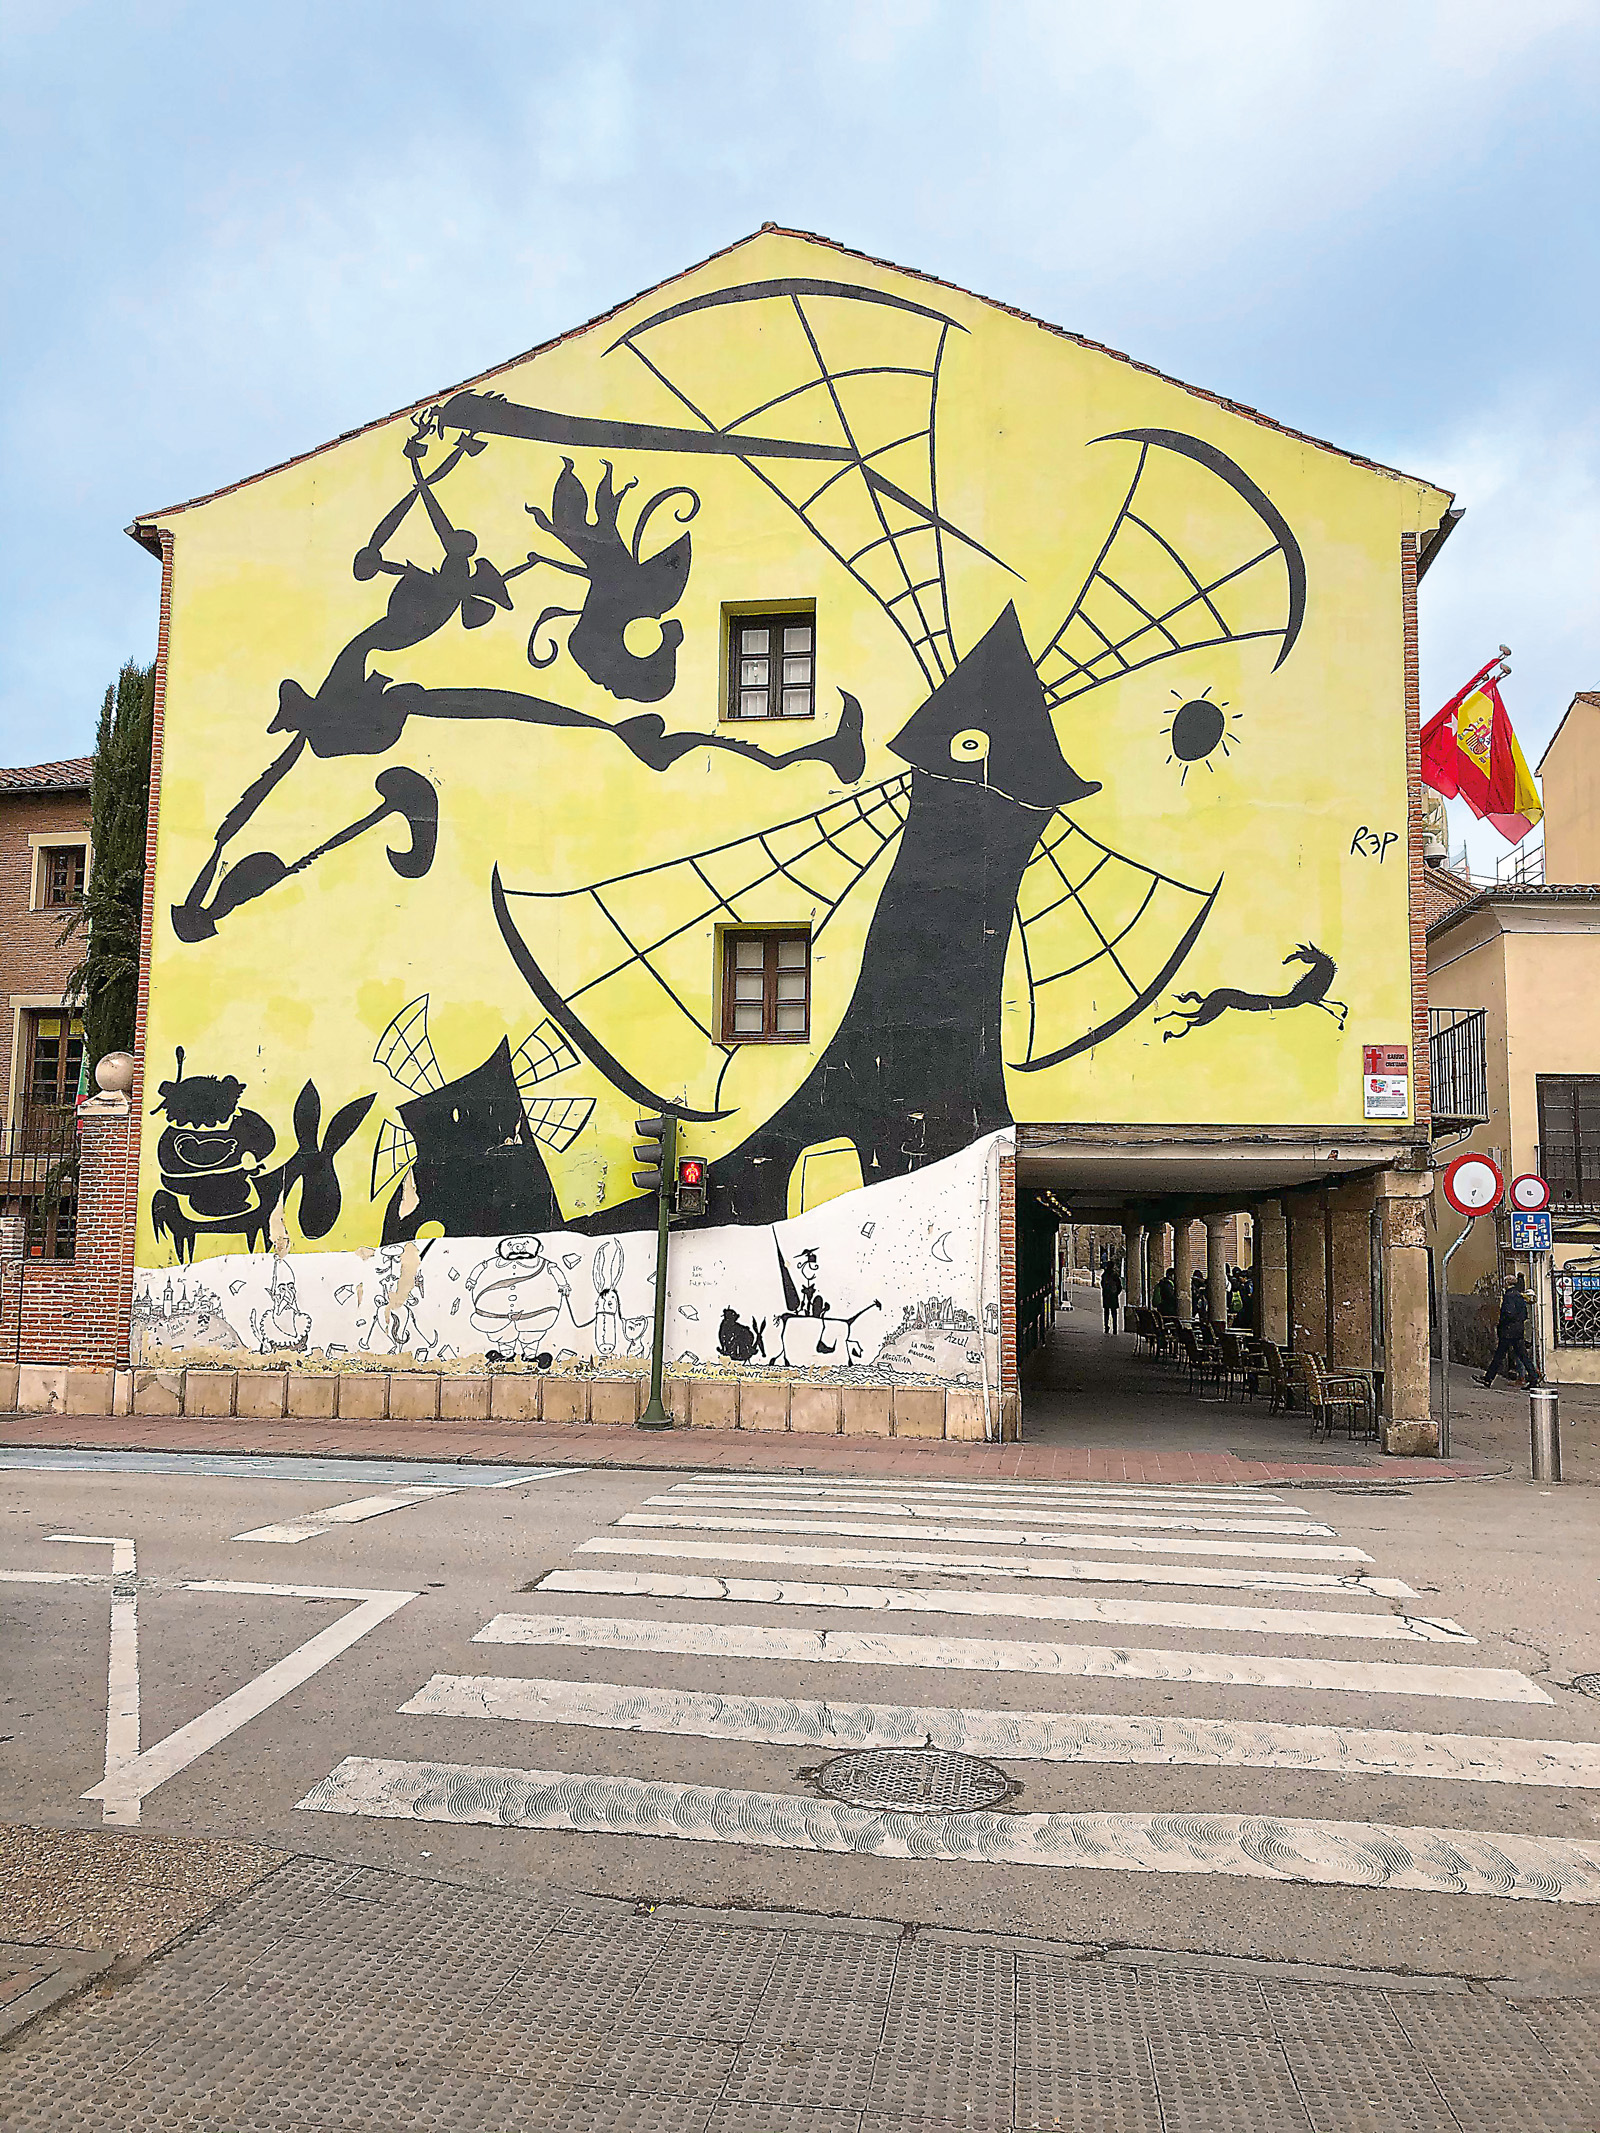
(1167, 1295)
(1511, 1338)
(1111, 1291)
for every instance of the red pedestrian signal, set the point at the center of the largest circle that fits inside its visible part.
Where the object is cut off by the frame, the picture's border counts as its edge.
(690, 1198)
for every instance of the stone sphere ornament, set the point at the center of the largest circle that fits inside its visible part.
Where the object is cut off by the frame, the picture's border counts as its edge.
(114, 1074)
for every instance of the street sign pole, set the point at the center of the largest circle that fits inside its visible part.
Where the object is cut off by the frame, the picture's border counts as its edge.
(665, 1131)
(1473, 1185)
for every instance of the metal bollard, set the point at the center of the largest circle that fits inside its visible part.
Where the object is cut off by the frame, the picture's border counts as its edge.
(1544, 1419)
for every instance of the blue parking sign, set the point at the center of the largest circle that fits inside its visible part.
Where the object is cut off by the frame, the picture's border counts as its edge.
(1531, 1233)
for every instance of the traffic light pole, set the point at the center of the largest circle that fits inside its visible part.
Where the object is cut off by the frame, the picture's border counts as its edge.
(655, 1415)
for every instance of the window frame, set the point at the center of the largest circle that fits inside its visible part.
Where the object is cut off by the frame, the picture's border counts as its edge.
(1560, 1102)
(69, 852)
(41, 843)
(72, 1030)
(768, 619)
(770, 937)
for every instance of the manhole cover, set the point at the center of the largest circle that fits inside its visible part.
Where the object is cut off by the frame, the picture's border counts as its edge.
(914, 1781)
(1587, 1685)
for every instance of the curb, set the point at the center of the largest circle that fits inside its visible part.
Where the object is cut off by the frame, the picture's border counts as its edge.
(1342, 1480)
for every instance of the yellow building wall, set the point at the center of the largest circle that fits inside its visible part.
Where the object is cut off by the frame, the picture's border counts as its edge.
(1570, 782)
(1123, 837)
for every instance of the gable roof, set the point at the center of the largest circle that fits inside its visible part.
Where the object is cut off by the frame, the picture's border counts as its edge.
(1525, 893)
(1584, 696)
(1442, 893)
(143, 529)
(72, 775)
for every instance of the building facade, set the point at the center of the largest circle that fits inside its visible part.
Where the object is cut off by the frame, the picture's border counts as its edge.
(44, 864)
(953, 769)
(1522, 962)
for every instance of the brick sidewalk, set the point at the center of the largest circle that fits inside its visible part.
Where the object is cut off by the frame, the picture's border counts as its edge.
(782, 1453)
(333, 1997)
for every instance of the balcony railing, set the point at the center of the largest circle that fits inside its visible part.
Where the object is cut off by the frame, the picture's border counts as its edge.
(1458, 1066)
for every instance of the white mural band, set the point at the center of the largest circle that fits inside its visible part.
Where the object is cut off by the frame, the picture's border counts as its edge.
(892, 1283)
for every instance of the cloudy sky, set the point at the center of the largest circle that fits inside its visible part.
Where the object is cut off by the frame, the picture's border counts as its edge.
(235, 231)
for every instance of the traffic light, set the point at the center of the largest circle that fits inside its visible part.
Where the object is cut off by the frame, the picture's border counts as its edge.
(652, 1148)
(690, 1198)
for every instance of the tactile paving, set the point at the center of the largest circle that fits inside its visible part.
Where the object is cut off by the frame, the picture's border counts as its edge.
(343, 2000)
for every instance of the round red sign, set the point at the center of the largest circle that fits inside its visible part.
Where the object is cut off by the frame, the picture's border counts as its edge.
(1530, 1195)
(1473, 1185)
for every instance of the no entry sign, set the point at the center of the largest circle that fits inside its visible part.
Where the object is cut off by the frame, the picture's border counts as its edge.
(1473, 1185)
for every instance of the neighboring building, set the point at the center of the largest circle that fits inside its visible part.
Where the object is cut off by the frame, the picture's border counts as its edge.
(44, 863)
(1514, 997)
(958, 771)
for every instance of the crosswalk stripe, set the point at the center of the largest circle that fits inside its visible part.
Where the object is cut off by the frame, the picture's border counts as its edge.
(1084, 1511)
(308, 1524)
(991, 1655)
(1016, 1567)
(878, 1529)
(1343, 1854)
(1020, 1606)
(1155, 1493)
(833, 1507)
(1012, 1736)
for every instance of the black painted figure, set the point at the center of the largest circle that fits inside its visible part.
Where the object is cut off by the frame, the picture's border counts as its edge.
(625, 586)
(1309, 991)
(915, 1070)
(478, 1170)
(211, 1157)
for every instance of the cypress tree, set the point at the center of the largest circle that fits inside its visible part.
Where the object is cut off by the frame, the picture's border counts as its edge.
(105, 985)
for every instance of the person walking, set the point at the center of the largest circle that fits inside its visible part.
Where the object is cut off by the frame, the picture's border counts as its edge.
(1167, 1294)
(1511, 1338)
(1198, 1294)
(1111, 1291)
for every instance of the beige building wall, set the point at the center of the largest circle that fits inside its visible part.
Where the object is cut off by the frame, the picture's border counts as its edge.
(1532, 962)
(1569, 771)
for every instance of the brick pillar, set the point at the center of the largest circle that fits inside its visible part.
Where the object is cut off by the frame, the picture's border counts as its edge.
(1272, 1273)
(1220, 1233)
(1133, 1266)
(1350, 1277)
(1409, 1427)
(1308, 1273)
(77, 1311)
(1183, 1267)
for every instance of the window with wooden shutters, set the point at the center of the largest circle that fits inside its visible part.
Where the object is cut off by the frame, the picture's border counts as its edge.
(63, 869)
(766, 988)
(772, 666)
(1569, 1137)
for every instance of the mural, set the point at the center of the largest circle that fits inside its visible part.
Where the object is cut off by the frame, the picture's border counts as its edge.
(1046, 590)
(887, 1285)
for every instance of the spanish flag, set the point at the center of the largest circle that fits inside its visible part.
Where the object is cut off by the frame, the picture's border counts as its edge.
(1470, 752)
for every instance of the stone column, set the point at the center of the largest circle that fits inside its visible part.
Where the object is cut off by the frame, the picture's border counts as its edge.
(1220, 1233)
(1133, 1266)
(1408, 1425)
(1272, 1273)
(1308, 1272)
(1350, 1278)
(1183, 1267)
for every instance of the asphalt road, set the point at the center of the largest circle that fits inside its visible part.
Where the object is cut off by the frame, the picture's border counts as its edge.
(736, 1701)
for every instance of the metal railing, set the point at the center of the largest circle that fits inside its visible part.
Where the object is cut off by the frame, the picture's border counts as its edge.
(1458, 1066)
(1575, 1300)
(39, 1177)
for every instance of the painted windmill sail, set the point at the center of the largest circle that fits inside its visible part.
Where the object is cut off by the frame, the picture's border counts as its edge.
(849, 371)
